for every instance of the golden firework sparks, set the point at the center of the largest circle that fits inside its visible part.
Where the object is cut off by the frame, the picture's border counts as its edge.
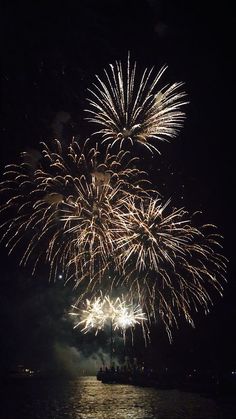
(92, 215)
(169, 264)
(65, 208)
(129, 109)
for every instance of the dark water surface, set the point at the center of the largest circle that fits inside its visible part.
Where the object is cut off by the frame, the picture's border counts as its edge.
(87, 398)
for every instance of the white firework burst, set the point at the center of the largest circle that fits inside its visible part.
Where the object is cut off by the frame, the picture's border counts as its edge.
(96, 313)
(136, 110)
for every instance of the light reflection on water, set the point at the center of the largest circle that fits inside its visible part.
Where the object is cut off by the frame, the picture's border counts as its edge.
(87, 398)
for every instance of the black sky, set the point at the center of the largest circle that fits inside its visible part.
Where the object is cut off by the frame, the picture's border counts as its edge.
(50, 55)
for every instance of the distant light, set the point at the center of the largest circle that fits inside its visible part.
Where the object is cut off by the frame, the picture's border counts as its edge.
(60, 276)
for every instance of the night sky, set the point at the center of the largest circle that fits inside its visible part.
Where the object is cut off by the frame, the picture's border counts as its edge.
(50, 56)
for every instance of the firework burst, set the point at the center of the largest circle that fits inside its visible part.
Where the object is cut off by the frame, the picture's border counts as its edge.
(129, 109)
(170, 265)
(100, 311)
(65, 208)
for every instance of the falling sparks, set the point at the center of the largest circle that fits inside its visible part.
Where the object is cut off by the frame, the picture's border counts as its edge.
(169, 264)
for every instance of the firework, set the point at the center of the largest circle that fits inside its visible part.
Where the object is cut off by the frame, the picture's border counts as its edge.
(169, 264)
(101, 311)
(91, 215)
(92, 315)
(129, 109)
(65, 209)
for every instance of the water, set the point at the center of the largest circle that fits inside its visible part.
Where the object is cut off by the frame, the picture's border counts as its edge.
(87, 398)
